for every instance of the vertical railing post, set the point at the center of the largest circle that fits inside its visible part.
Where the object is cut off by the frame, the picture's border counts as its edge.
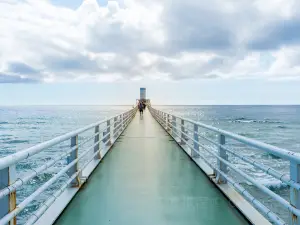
(122, 121)
(168, 123)
(158, 116)
(174, 133)
(115, 126)
(8, 202)
(125, 119)
(107, 132)
(73, 156)
(165, 121)
(222, 166)
(97, 142)
(182, 142)
(196, 141)
(294, 193)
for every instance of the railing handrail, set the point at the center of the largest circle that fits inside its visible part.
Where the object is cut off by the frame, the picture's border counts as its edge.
(279, 152)
(26, 153)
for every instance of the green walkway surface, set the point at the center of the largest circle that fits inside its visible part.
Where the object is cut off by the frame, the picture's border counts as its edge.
(147, 179)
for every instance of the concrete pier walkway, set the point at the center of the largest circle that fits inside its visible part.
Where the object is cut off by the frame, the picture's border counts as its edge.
(147, 179)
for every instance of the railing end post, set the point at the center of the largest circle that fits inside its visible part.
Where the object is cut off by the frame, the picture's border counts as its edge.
(8, 202)
(294, 193)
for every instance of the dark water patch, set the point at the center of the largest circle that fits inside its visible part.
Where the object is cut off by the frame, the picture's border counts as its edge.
(16, 141)
(3, 122)
(245, 134)
(25, 214)
(274, 185)
(40, 122)
(6, 135)
(277, 186)
(248, 120)
(22, 122)
(5, 139)
(23, 166)
(33, 128)
(267, 155)
(282, 127)
(40, 179)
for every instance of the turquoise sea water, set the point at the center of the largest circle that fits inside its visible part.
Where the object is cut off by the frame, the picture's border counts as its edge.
(22, 127)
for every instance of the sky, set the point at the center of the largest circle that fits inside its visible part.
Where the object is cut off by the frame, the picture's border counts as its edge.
(99, 52)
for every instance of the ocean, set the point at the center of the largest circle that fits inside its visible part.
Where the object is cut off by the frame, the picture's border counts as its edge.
(25, 126)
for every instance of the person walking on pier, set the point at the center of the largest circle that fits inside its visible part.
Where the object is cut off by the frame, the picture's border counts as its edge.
(140, 106)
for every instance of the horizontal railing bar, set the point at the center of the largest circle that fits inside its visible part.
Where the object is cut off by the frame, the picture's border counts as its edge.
(261, 187)
(26, 153)
(30, 198)
(49, 202)
(272, 216)
(279, 152)
(21, 181)
(267, 170)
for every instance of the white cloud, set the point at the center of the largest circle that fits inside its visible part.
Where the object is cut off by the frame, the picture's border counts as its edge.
(166, 39)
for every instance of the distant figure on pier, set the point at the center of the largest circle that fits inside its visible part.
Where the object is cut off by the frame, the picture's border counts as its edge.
(141, 107)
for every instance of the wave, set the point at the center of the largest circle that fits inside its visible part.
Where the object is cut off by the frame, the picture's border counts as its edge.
(267, 155)
(274, 184)
(245, 134)
(40, 122)
(3, 122)
(16, 141)
(281, 127)
(271, 184)
(246, 120)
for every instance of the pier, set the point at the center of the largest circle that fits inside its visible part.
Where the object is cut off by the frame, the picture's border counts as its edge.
(148, 169)
(148, 179)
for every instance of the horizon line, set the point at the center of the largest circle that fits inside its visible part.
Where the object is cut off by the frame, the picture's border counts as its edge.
(282, 104)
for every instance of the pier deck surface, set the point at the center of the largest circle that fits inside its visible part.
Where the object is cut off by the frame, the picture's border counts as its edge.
(147, 179)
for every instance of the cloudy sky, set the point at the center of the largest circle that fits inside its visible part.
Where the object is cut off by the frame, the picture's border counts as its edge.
(183, 52)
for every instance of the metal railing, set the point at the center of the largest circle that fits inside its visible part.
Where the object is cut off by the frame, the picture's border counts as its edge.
(180, 129)
(105, 134)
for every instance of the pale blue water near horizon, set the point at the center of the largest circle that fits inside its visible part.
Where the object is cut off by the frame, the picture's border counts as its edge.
(24, 126)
